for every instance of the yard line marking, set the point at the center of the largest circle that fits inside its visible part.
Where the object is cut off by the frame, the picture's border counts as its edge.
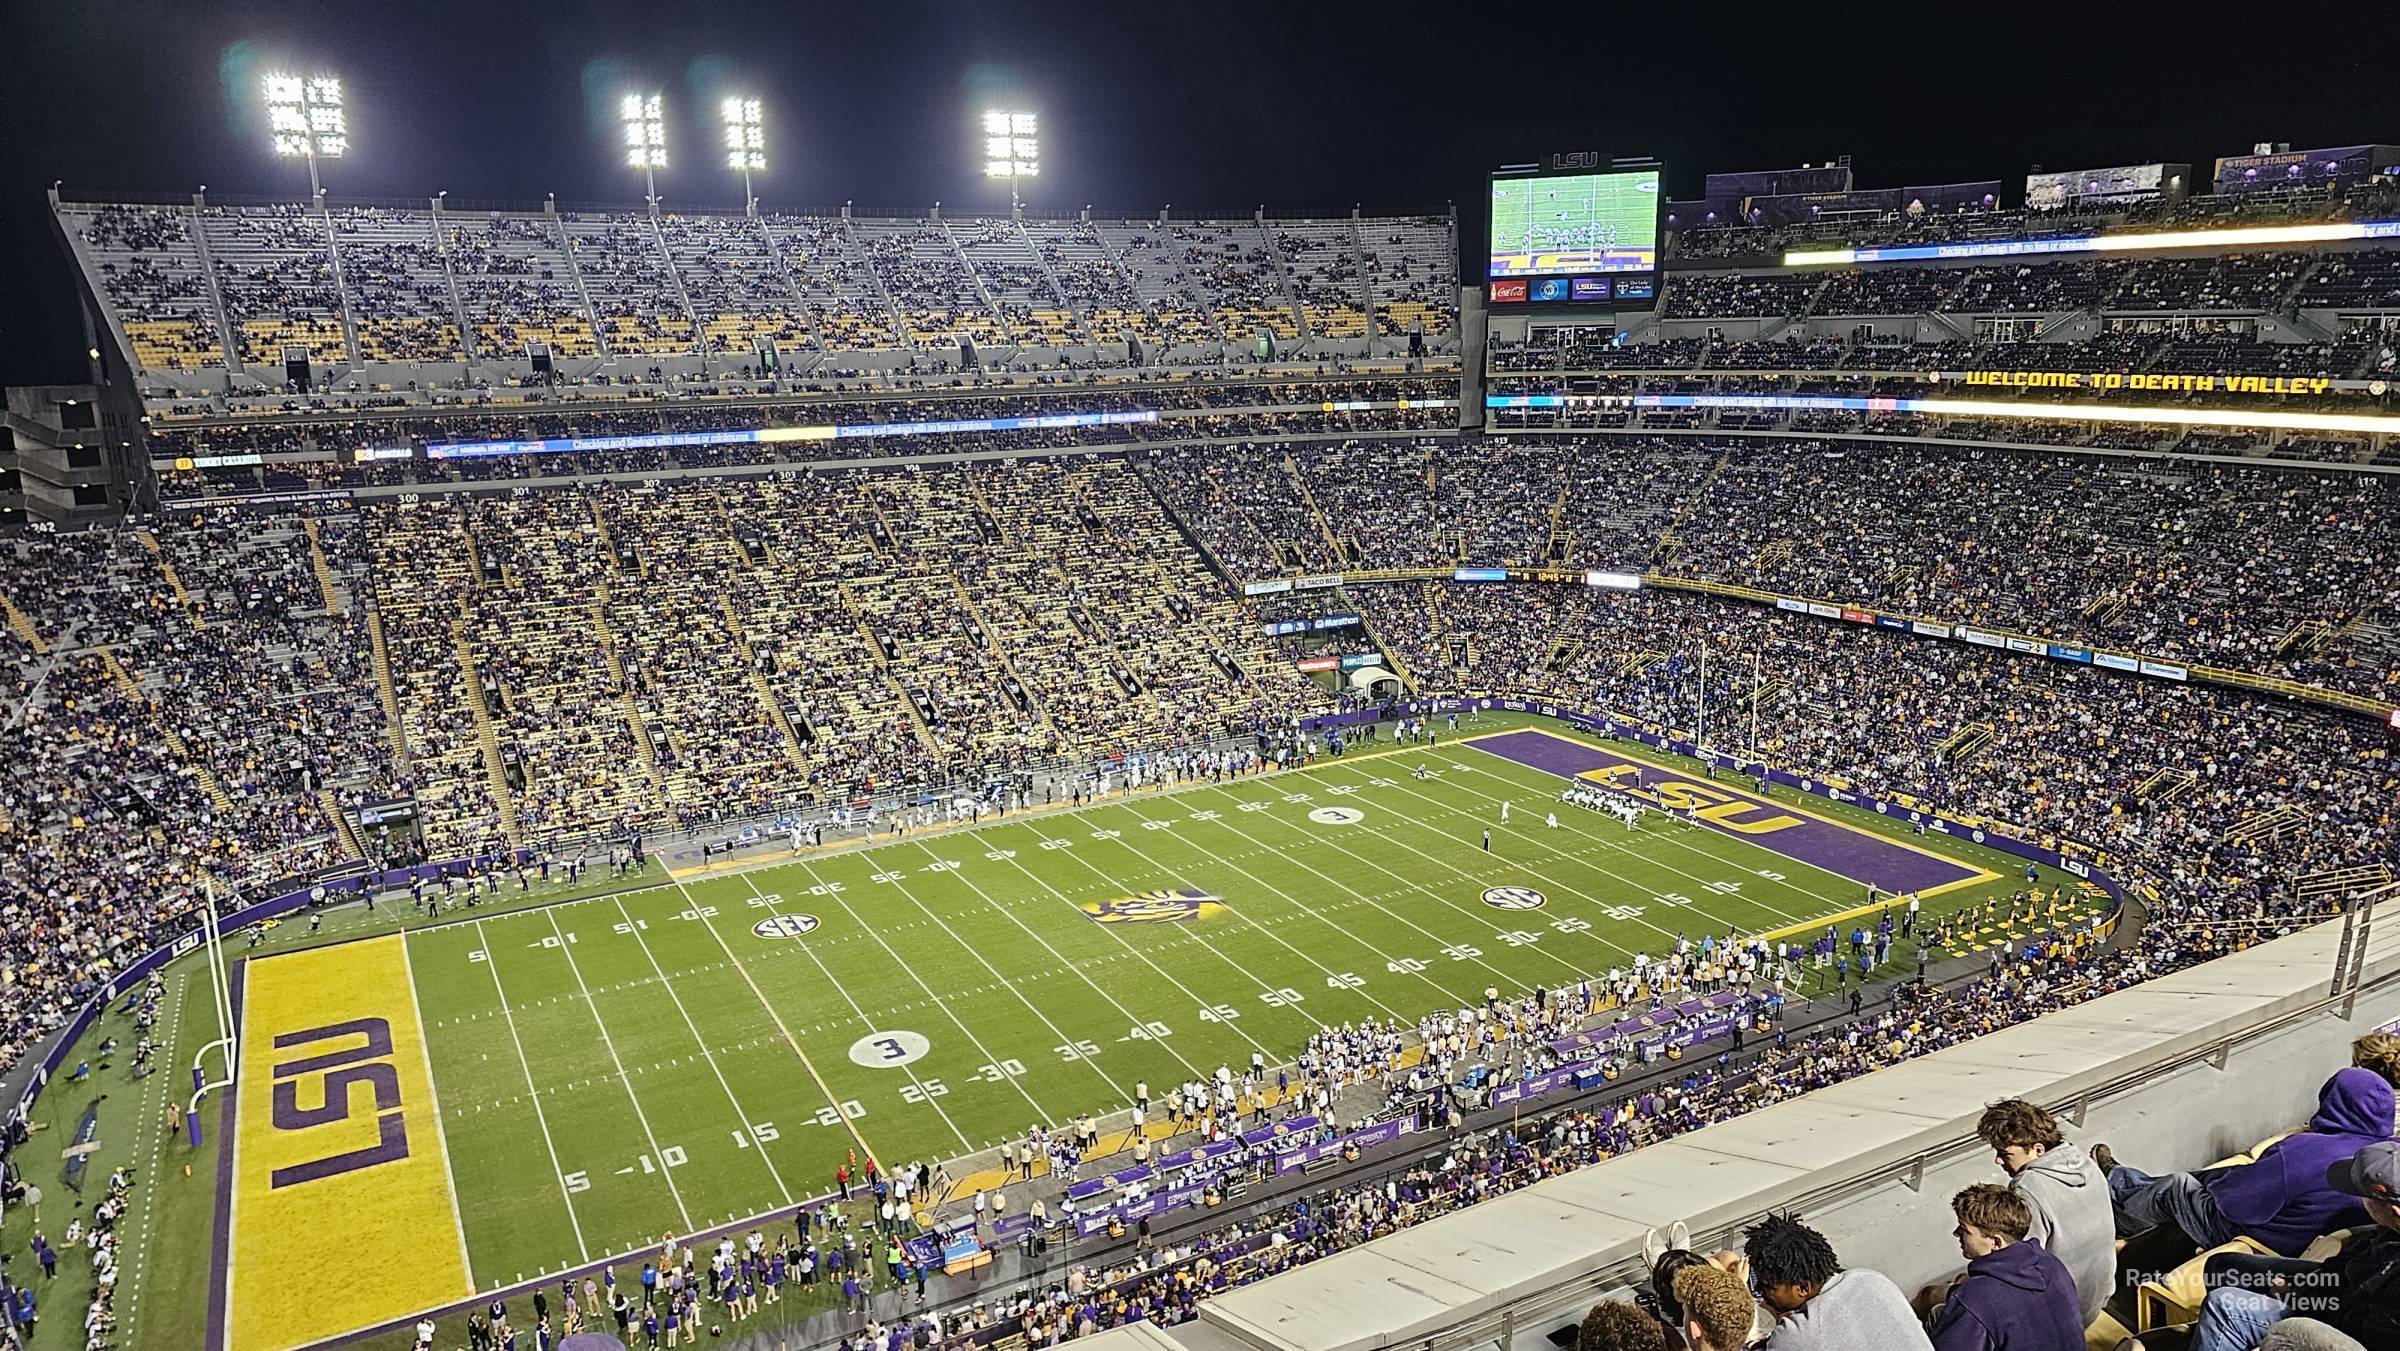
(705, 1053)
(1455, 810)
(1573, 858)
(525, 1065)
(1255, 1043)
(605, 1040)
(1462, 906)
(1035, 934)
(1296, 861)
(870, 1024)
(1297, 909)
(794, 1042)
(1539, 780)
(977, 954)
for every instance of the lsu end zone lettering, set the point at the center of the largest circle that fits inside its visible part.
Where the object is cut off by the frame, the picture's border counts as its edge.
(341, 1185)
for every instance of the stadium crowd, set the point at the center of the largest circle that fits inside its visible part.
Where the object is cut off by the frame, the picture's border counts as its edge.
(2279, 571)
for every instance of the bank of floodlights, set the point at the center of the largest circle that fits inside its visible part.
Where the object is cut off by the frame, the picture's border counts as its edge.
(644, 118)
(745, 141)
(1012, 148)
(305, 118)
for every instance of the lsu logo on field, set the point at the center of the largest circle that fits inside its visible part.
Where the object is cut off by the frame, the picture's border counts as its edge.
(338, 1164)
(1180, 906)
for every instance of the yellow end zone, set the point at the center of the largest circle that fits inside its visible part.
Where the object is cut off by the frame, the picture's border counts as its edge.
(344, 1215)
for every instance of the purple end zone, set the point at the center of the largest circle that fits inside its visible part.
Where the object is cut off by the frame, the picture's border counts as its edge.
(1837, 849)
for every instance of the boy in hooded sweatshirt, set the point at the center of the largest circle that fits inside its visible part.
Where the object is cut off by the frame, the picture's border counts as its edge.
(2282, 1199)
(2017, 1296)
(2065, 1193)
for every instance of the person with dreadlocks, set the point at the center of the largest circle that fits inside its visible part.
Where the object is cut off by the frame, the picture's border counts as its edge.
(1818, 1305)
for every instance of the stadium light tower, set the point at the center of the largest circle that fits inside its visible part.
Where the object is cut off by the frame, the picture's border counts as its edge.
(1012, 149)
(306, 119)
(644, 117)
(745, 144)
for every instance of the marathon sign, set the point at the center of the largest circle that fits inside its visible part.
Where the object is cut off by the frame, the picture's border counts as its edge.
(2144, 380)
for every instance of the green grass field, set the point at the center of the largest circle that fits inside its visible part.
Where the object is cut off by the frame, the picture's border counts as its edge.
(614, 1069)
(1534, 216)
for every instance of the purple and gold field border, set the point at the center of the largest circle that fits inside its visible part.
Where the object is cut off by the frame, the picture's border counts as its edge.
(1774, 825)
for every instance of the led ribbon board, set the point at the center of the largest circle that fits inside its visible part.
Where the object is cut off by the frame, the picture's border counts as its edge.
(2242, 237)
(564, 445)
(2265, 420)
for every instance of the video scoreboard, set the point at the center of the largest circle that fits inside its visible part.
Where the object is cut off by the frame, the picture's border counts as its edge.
(1575, 236)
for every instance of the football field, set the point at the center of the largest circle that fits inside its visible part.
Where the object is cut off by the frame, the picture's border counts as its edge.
(1586, 223)
(508, 1096)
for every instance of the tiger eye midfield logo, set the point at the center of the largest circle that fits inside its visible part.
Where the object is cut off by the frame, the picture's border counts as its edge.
(1180, 906)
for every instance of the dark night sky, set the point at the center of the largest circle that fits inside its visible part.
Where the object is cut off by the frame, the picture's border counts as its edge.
(1209, 106)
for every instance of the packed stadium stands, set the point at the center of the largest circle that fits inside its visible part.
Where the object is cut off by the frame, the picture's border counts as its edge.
(573, 645)
(384, 297)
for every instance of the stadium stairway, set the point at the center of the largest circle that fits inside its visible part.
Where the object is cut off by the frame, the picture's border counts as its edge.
(23, 627)
(166, 569)
(487, 735)
(883, 668)
(385, 691)
(999, 651)
(1391, 655)
(758, 686)
(1664, 554)
(209, 783)
(322, 567)
(1291, 469)
(342, 828)
(632, 708)
(2167, 784)
(2345, 882)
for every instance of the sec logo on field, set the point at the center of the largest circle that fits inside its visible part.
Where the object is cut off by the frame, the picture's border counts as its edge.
(785, 926)
(1514, 898)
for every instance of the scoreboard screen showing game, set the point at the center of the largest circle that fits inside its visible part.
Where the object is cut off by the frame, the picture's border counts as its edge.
(1576, 239)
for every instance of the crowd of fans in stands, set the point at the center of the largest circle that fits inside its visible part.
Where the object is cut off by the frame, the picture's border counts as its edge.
(2257, 569)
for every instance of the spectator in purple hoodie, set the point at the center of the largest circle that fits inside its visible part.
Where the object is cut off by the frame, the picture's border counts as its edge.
(2282, 1199)
(2017, 1297)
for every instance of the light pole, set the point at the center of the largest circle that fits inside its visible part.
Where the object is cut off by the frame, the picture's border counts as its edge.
(745, 144)
(644, 119)
(305, 117)
(1012, 149)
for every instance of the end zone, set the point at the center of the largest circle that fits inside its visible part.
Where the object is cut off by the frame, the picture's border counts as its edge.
(1781, 827)
(340, 1176)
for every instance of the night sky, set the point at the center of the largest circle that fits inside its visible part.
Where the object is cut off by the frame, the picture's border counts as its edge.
(1212, 107)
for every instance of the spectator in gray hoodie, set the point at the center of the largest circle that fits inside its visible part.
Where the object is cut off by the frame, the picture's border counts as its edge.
(2066, 1192)
(1818, 1306)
